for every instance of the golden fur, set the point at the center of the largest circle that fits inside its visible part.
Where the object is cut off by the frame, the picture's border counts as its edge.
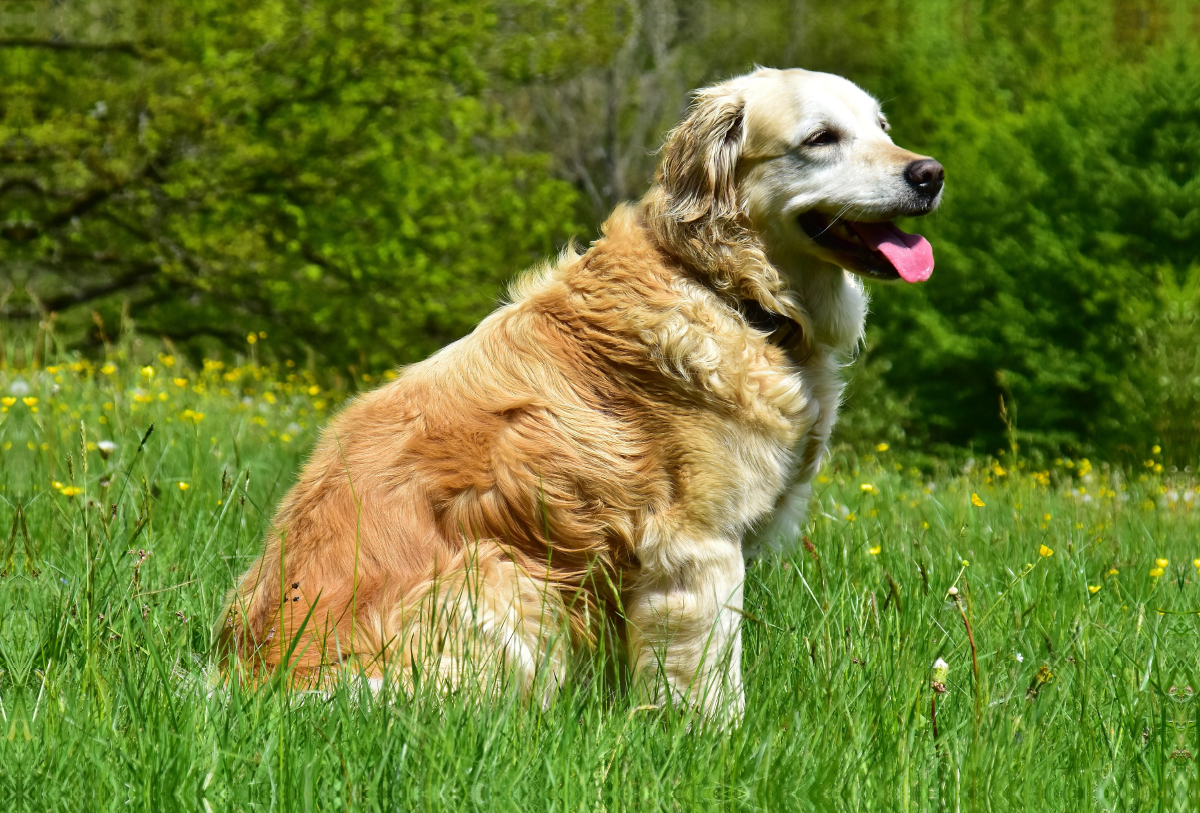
(591, 457)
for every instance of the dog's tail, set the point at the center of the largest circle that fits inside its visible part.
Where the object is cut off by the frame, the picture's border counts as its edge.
(477, 618)
(273, 619)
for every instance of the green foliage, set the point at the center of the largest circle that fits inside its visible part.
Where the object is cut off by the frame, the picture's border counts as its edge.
(334, 173)
(112, 575)
(1077, 224)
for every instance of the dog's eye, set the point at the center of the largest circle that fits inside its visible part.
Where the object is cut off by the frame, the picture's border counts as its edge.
(821, 138)
(883, 125)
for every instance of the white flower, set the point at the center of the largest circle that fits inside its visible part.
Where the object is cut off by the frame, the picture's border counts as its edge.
(18, 388)
(106, 448)
(940, 670)
(1020, 658)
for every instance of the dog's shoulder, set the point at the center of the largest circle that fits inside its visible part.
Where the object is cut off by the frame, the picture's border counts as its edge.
(629, 300)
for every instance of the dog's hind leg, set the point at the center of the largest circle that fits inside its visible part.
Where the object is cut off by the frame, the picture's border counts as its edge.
(482, 624)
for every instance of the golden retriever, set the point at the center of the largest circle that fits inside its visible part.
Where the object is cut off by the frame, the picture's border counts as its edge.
(600, 455)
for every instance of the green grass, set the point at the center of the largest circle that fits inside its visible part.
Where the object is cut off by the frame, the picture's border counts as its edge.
(1073, 699)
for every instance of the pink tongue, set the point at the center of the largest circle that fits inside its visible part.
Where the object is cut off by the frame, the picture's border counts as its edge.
(909, 254)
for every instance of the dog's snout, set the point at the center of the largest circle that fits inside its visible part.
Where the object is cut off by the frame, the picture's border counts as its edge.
(927, 175)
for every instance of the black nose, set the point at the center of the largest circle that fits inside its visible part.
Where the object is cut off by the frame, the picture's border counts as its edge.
(926, 175)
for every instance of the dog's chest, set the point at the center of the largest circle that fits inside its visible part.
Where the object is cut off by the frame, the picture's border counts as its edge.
(778, 440)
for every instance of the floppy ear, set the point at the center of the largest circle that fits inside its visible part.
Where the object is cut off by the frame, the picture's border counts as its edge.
(695, 213)
(700, 157)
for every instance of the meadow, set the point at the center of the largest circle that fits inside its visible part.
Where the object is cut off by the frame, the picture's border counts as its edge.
(990, 633)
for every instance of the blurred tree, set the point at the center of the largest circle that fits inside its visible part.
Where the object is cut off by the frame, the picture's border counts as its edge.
(1073, 241)
(359, 179)
(333, 173)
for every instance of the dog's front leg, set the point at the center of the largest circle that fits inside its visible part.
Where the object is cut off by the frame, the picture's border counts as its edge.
(684, 627)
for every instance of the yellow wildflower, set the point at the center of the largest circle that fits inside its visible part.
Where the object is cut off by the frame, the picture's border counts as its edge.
(1156, 572)
(882, 447)
(148, 371)
(1155, 449)
(1045, 551)
(1196, 562)
(1161, 562)
(1113, 572)
(875, 550)
(1093, 589)
(183, 486)
(8, 401)
(869, 488)
(975, 501)
(29, 400)
(71, 491)
(109, 368)
(252, 338)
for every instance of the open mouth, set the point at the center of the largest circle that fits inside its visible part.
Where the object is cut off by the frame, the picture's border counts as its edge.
(878, 250)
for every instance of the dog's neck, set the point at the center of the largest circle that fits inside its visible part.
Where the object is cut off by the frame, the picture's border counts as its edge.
(834, 300)
(829, 305)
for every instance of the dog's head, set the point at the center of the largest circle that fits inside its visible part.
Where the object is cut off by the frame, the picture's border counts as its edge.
(802, 162)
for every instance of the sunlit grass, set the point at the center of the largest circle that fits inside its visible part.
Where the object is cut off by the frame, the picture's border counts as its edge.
(1061, 602)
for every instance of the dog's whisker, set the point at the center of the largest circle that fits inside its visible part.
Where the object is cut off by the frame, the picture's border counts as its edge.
(833, 220)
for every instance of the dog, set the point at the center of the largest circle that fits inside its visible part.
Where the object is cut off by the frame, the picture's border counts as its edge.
(600, 455)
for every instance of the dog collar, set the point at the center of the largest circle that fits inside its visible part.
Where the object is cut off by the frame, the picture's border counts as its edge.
(779, 329)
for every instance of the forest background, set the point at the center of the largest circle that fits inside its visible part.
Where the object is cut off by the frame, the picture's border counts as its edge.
(358, 181)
